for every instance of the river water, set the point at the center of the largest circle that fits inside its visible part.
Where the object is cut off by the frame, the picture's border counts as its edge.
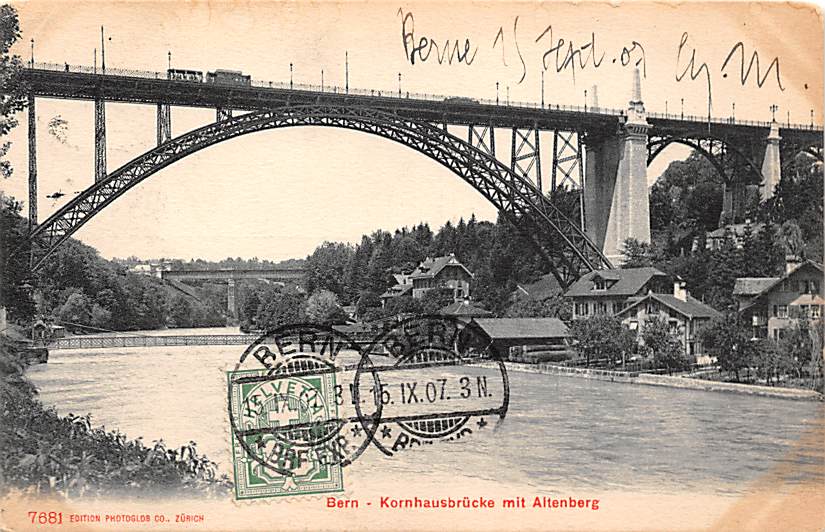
(560, 432)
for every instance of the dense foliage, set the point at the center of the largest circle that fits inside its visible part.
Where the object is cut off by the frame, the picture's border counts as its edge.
(77, 287)
(685, 204)
(602, 338)
(496, 253)
(795, 357)
(66, 455)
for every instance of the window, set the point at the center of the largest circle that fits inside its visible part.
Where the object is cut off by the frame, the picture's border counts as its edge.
(650, 308)
(599, 284)
(815, 311)
(601, 308)
(780, 311)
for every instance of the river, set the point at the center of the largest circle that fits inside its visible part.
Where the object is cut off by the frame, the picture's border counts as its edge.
(559, 431)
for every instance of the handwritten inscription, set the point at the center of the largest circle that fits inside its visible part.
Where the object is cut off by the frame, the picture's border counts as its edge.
(565, 55)
(451, 52)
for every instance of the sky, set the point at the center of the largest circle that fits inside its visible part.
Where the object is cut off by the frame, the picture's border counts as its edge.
(278, 194)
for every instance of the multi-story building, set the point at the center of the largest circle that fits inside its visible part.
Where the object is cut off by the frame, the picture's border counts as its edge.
(438, 272)
(683, 314)
(441, 272)
(637, 295)
(611, 291)
(773, 304)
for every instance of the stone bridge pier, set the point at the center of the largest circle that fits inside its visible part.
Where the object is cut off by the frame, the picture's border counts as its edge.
(616, 200)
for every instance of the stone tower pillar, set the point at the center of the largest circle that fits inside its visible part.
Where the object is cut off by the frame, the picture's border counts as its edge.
(616, 198)
(771, 164)
(230, 300)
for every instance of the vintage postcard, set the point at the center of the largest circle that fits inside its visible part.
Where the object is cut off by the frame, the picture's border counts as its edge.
(287, 265)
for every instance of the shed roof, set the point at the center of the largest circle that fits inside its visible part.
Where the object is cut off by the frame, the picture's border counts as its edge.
(464, 308)
(507, 328)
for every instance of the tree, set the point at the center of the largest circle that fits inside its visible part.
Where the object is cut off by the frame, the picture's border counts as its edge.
(280, 308)
(12, 90)
(662, 344)
(637, 254)
(601, 337)
(76, 310)
(16, 282)
(327, 266)
(402, 305)
(323, 307)
(367, 300)
(181, 313)
(436, 299)
(548, 307)
(798, 344)
(731, 341)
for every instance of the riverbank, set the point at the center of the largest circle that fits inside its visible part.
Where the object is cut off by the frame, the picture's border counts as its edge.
(667, 381)
(46, 453)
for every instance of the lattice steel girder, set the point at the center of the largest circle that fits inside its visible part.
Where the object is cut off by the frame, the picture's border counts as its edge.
(734, 160)
(222, 114)
(567, 160)
(562, 242)
(164, 123)
(100, 139)
(526, 157)
(32, 132)
(482, 137)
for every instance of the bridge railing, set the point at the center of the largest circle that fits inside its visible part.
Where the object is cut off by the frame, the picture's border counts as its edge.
(98, 342)
(396, 94)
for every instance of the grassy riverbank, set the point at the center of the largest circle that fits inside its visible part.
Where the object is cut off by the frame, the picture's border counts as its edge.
(45, 453)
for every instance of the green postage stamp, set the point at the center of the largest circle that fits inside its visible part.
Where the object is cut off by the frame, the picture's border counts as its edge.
(276, 420)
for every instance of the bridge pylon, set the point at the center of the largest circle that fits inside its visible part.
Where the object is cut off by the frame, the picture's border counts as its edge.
(771, 163)
(164, 123)
(100, 139)
(616, 200)
(32, 163)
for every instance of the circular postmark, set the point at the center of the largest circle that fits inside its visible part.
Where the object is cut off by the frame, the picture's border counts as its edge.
(292, 404)
(438, 378)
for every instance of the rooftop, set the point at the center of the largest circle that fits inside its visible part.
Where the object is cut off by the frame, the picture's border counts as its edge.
(628, 281)
(546, 286)
(464, 308)
(751, 286)
(430, 267)
(505, 328)
(692, 307)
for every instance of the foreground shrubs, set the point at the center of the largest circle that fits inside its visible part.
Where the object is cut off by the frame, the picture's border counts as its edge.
(44, 453)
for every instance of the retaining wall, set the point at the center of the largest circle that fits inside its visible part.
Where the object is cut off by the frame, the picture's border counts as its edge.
(668, 381)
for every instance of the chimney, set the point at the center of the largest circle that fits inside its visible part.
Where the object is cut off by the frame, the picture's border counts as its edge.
(792, 262)
(679, 291)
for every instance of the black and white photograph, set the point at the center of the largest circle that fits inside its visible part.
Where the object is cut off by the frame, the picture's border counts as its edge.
(293, 265)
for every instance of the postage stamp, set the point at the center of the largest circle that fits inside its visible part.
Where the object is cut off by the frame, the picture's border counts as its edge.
(291, 434)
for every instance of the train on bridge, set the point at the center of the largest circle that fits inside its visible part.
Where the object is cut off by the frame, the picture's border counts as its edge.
(218, 77)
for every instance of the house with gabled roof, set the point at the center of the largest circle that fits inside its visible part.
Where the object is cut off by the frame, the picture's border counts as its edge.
(774, 304)
(441, 272)
(683, 314)
(611, 291)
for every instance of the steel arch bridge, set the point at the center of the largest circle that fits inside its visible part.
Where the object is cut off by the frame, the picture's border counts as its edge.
(569, 252)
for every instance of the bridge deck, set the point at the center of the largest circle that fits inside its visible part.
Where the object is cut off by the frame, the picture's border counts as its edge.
(79, 82)
(284, 274)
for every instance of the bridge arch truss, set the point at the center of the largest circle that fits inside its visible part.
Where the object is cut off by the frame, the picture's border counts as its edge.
(561, 241)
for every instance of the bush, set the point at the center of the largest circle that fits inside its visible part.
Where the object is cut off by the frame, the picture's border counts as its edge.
(45, 453)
